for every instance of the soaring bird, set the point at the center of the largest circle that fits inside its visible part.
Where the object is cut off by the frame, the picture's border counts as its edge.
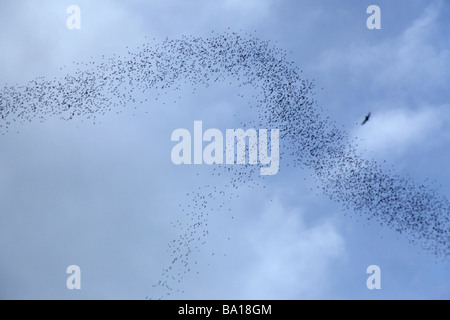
(366, 119)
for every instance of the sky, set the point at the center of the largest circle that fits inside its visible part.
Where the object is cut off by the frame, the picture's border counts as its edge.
(105, 196)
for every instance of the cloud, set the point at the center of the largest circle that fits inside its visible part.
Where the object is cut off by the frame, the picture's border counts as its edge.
(292, 259)
(397, 130)
(411, 66)
(38, 41)
(255, 8)
(236, 14)
(402, 79)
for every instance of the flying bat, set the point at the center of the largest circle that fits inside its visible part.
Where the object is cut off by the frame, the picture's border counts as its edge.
(366, 119)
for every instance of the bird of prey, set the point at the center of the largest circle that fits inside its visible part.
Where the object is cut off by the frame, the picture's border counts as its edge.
(366, 119)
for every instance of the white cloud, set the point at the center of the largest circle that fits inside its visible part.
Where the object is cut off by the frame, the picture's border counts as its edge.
(292, 260)
(233, 13)
(258, 7)
(403, 80)
(413, 64)
(398, 130)
(38, 41)
(416, 61)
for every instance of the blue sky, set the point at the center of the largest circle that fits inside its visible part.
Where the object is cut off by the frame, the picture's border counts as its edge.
(104, 196)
